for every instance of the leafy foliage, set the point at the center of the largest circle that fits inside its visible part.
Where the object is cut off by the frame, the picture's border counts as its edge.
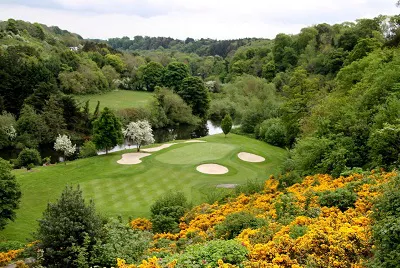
(29, 156)
(386, 228)
(88, 149)
(10, 193)
(68, 228)
(107, 130)
(167, 211)
(226, 124)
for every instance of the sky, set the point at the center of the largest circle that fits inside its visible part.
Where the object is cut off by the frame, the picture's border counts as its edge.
(217, 19)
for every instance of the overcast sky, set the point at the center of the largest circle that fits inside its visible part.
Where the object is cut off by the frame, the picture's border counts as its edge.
(219, 19)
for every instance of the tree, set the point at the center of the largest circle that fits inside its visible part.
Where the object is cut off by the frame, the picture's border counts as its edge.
(139, 132)
(68, 230)
(195, 94)
(174, 74)
(107, 131)
(31, 127)
(7, 129)
(64, 144)
(226, 124)
(10, 193)
(152, 75)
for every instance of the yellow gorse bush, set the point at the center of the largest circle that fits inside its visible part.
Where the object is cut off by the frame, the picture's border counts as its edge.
(6, 257)
(332, 238)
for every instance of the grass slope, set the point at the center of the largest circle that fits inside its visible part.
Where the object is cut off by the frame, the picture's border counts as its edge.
(129, 190)
(116, 100)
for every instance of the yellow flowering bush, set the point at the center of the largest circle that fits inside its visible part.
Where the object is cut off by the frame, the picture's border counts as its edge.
(141, 224)
(6, 257)
(313, 235)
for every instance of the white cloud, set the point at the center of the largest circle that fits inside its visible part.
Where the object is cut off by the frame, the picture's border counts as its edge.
(221, 19)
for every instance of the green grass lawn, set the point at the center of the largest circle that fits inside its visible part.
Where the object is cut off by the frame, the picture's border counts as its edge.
(129, 190)
(116, 100)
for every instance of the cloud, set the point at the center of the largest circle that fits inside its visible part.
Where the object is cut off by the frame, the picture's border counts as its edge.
(223, 19)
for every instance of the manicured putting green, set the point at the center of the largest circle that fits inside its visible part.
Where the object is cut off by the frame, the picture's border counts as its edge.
(196, 153)
(129, 190)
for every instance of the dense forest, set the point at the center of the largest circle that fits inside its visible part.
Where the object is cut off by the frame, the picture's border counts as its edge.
(329, 94)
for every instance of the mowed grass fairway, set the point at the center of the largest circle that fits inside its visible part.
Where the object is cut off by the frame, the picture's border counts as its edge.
(117, 99)
(129, 190)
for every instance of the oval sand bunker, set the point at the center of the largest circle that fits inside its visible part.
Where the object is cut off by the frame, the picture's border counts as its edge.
(248, 157)
(214, 169)
(132, 158)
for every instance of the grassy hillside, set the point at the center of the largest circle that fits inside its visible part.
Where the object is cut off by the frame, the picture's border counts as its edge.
(129, 190)
(116, 100)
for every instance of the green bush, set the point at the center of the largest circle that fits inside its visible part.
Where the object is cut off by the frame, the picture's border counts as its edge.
(250, 187)
(10, 245)
(273, 131)
(235, 223)
(29, 156)
(88, 149)
(288, 179)
(167, 211)
(386, 228)
(297, 231)
(68, 230)
(286, 209)
(122, 242)
(208, 254)
(341, 198)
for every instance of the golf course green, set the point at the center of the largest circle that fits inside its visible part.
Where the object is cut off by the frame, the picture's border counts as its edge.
(129, 190)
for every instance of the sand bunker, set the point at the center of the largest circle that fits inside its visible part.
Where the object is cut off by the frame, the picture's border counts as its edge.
(158, 148)
(212, 169)
(248, 157)
(190, 141)
(227, 186)
(132, 158)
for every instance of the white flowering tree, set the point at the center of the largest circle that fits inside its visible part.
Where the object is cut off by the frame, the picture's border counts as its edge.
(64, 144)
(139, 132)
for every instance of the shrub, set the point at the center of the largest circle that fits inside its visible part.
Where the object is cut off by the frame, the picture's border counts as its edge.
(68, 230)
(208, 254)
(386, 228)
(88, 149)
(273, 131)
(10, 193)
(250, 187)
(235, 223)
(286, 209)
(121, 241)
(167, 211)
(341, 198)
(288, 179)
(29, 156)
(297, 231)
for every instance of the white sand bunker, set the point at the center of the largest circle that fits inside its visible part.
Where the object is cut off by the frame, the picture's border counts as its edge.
(158, 148)
(132, 158)
(227, 186)
(190, 141)
(212, 169)
(248, 157)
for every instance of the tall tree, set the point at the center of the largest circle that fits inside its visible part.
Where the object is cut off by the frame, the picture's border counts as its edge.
(107, 131)
(174, 74)
(194, 93)
(152, 75)
(10, 193)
